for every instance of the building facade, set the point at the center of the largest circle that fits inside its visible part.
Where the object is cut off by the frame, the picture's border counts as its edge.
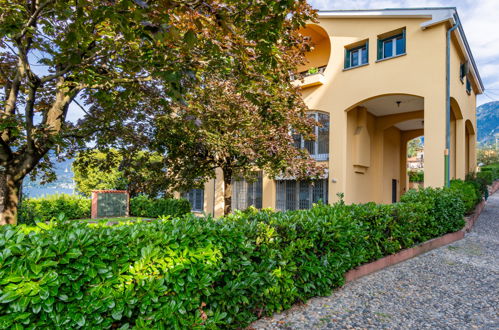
(375, 79)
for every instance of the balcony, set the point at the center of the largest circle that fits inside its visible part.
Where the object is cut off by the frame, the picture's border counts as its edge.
(309, 78)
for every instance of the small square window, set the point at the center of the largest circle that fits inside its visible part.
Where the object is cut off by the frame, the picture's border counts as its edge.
(356, 56)
(392, 46)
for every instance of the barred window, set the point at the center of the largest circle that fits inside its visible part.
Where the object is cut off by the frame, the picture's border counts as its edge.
(293, 195)
(246, 194)
(196, 198)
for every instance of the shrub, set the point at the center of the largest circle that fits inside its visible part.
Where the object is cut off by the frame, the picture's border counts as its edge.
(443, 211)
(143, 206)
(486, 176)
(192, 272)
(469, 193)
(493, 168)
(479, 183)
(46, 208)
(416, 176)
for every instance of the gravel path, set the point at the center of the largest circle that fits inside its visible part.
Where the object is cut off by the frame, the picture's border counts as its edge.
(453, 287)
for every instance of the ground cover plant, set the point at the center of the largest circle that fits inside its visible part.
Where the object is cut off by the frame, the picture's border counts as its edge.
(192, 272)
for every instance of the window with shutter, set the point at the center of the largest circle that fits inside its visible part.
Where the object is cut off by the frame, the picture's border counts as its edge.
(356, 56)
(392, 46)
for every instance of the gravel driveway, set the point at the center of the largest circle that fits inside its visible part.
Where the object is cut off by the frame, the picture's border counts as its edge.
(453, 287)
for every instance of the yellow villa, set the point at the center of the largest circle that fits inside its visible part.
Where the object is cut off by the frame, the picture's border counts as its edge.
(375, 79)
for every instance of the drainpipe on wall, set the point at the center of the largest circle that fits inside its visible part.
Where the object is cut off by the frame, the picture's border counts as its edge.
(447, 107)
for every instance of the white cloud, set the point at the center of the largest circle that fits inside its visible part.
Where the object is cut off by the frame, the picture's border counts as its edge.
(479, 20)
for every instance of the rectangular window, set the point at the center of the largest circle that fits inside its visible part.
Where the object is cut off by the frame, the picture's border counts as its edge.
(196, 198)
(392, 46)
(462, 71)
(468, 85)
(293, 195)
(318, 148)
(246, 194)
(356, 56)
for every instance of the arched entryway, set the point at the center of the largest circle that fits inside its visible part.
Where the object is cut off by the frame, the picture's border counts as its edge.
(469, 144)
(378, 130)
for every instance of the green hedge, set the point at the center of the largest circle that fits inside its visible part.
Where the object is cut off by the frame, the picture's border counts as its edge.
(470, 193)
(50, 207)
(143, 206)
(416, 176)
(493, 168)
(195, 272)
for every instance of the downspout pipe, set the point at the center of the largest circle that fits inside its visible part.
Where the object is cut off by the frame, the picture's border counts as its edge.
(447, 106)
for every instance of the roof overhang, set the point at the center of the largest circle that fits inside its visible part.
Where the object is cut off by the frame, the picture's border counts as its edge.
(435, 16)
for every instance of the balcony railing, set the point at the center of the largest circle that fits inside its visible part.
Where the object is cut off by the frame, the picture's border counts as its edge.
(311, 77)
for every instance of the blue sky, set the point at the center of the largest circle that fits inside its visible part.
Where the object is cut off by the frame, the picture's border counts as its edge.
(480, 20)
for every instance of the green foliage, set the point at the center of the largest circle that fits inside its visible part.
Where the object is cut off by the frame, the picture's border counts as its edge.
(487, 155)
(416, 176)
(192, 272)
(494, 168)
(144, 206)
(51, 207)
(441, 209)
(486, 176)
(479, 183)
(413, 146)
(138, 172)
(470, 194)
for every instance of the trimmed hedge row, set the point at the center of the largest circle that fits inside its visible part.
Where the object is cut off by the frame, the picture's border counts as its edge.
(143, 206)
(493, 169)
(50, 207)
(195, 272)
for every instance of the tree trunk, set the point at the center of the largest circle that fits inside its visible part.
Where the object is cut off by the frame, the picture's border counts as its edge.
(227, 173)
(9, 199)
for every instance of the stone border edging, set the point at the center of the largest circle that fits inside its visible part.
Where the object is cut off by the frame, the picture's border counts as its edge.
(409, 253)
(494, 187)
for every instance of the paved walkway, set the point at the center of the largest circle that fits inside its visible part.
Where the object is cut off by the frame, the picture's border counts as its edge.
(453, 287)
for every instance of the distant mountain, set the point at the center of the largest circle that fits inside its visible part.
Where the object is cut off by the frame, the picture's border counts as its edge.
(63, 185)
(487, 116)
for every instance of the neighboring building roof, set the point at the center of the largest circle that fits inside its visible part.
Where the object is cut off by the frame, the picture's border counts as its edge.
(436, 15)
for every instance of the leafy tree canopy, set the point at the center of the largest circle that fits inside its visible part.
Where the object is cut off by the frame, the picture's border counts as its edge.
(127, 63)
(140, 173)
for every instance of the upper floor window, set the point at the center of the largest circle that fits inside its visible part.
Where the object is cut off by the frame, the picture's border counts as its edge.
(196, 198)
(357, 56)
(391, 46)
(462, 71)
(318, 148)
(468, 85)
(247, 193)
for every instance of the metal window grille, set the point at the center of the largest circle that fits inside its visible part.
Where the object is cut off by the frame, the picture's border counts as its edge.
(246, 194)
(292, 194)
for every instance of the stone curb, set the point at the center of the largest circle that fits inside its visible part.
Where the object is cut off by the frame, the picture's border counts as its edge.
(409, 253)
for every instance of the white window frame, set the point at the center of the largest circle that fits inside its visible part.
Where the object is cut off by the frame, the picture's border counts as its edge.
(315, 155)
(360, 50)
(394, 46)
